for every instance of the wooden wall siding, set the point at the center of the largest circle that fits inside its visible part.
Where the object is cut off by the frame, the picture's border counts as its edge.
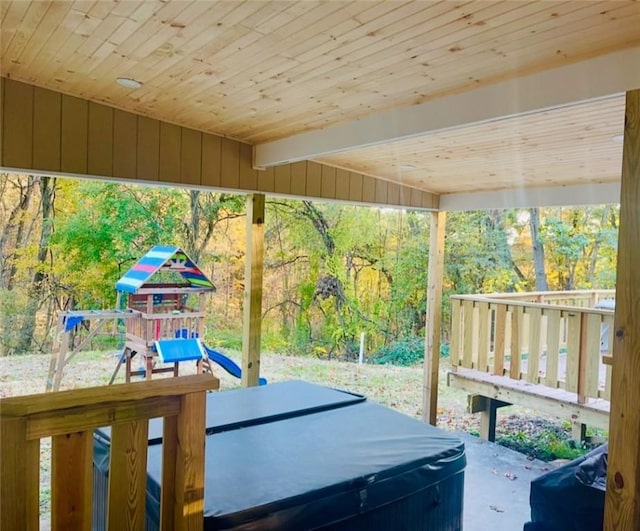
(18, 125)
(342, 184)
(368, 189)
(314, 179)
(148, 160)
(46, 146)
(248, 176)
(73, 132)
(328, 182)
(191, 156)
(282, 179)
(381, 191)
(47, 131)
(100, 144)
(266, 180)
(211, 159)
(125, 135)
(170, 146)
(230, 169)
(298, 178)
(355, 186)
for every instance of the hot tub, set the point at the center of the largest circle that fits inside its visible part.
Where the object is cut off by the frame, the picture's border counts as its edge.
(297, 456)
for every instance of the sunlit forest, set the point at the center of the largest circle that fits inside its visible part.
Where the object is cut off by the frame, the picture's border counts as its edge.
(331, 271)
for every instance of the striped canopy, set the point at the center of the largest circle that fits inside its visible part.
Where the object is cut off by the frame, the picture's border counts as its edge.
(169, 257)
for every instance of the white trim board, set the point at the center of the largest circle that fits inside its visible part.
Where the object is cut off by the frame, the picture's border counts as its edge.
(596, 78)
(577, 195)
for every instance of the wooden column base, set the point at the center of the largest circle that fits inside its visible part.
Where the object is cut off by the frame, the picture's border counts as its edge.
(578, 431)
(487, 407)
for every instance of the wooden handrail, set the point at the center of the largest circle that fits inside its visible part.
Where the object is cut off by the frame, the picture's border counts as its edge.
(70, 417)
(542, 305)
(541, 342)
(575, 294)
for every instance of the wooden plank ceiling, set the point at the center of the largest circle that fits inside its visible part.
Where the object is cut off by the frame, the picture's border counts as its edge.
(581, 144)
(259, 71)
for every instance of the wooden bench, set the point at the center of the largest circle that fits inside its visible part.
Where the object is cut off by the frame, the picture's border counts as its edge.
(488, 392)
(547, 354)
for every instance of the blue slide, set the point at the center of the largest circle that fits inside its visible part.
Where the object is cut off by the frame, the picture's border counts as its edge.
(228, 364)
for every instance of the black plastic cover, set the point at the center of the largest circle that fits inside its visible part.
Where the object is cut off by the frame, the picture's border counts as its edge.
(240, 408)
(333, 457)
(571, 498)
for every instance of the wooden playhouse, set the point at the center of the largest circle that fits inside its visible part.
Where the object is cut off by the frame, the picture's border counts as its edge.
(165, 292)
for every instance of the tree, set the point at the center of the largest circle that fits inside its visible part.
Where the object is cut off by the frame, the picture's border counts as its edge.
(538, 250)
(478, 258)
(36, 290)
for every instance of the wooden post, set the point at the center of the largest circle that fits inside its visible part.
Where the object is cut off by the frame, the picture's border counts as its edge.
(71, 501)
(622, 510)
(487, 407)
(434, 317)
(488, 420)
(19, 476)
(252, 311)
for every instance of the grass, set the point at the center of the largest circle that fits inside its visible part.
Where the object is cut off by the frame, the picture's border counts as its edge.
(397, 387)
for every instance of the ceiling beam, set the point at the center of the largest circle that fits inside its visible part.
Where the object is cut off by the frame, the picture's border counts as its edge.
(578, 195)
(599, 77)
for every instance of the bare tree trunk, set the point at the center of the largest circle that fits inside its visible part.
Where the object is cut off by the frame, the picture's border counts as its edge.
(596, 246)
(207, 210)
(47, 198)
(538, 250)
(13, 231)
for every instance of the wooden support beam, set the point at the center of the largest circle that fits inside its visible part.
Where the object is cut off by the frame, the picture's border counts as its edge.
(556, 402)
(479, 403)
(19, 476)
(252, 316)
(487, 407)
(622, 510)
(578, 431)
(488, 418)
(434, 316)
(71, 500)
(128, 475)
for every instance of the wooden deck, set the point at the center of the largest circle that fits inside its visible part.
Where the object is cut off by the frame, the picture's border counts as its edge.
(549, 350)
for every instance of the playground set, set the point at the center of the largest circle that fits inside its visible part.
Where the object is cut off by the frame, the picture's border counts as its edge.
(164, 294)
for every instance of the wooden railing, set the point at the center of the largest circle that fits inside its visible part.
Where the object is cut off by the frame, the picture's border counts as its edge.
(70, 417)
(548, 338)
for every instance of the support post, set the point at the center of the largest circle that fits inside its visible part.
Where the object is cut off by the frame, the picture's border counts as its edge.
(622, 510)
(487, 407)
(433, 318)
(252, 309)
(578, 431)
(488, 420)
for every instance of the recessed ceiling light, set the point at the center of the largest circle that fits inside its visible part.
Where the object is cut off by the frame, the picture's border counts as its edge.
(128, 82)
(617, 138)
(407, 167)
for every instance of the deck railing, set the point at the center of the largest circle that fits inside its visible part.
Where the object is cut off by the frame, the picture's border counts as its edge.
(70, 417)
(557, 339)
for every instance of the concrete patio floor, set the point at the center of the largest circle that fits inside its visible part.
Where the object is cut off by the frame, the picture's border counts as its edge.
(496, 490)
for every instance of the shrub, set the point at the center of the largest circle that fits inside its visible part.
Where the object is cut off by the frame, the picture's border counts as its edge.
(405, 352)
(546, 446)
